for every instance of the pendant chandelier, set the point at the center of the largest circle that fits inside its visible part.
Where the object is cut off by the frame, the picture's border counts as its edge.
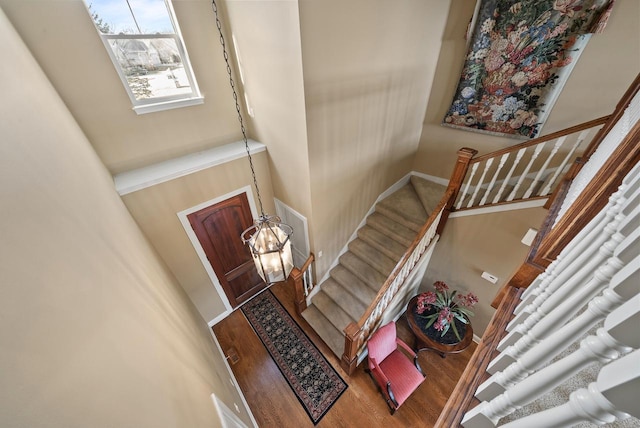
(268, 239)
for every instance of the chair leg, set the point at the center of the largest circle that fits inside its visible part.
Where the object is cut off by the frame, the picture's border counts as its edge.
(391, 400)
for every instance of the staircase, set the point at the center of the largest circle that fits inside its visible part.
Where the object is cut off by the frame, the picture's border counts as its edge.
(371, 257)
(376, 270)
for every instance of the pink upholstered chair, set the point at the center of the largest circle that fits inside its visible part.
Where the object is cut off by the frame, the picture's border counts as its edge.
(396, 375)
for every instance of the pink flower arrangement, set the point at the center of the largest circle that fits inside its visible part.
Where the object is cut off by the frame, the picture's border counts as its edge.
(446, 306)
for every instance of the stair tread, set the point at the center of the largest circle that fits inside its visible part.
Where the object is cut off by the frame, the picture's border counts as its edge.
(355, 285)
(374, 258)
(429, 193)
(332, 311)
(325, 329)
(342, 296)
(362, 270)
(383, 243)
(405, 207)
(391, 228)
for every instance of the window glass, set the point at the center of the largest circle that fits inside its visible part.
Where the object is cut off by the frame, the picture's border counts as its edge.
(144, 43)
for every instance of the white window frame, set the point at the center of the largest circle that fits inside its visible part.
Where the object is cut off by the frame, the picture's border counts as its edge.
(150, 105)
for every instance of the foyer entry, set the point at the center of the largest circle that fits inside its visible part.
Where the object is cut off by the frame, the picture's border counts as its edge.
(218, 228)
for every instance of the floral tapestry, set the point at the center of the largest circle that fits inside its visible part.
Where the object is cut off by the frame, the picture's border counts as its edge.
(520, 54)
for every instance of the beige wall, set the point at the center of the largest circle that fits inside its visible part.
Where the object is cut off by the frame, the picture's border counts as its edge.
(155, 209)
(368, 66)
(95, 330)
(61, 36)
(267, 41)
(475, 244)
(604, 71)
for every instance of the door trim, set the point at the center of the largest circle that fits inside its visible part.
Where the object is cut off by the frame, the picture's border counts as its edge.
(182, 216)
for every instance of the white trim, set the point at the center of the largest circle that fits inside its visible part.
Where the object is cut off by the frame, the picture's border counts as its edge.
(168, 105)
(227, 418)
(232, 378)
(141, 178)
(476, 338)
(217, 319)
(282, 211)
(433, 178)
(500, 208)
(182, 216)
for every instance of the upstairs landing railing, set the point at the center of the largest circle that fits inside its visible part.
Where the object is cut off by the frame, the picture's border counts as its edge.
(584, 262)
(595, 282)
(526, 171)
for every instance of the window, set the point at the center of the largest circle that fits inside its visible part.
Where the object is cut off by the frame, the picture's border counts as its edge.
(145, 45)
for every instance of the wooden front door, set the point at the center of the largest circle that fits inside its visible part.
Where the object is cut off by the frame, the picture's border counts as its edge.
(218, 229)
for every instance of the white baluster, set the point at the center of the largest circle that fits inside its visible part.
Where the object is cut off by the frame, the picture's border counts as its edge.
(461, 197)
(563, 287)
(584, 261)
(503, 159)
(565, 161)
(544, 323)
(613, 397)
(515, 163)
(578, 251)
(608, 344)
(536, 152)
(623, 287)
(623, 253)
(543, 169)
(576, 247)
(487, 165)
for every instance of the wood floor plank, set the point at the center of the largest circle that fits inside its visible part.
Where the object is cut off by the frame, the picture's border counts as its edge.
(274, 404)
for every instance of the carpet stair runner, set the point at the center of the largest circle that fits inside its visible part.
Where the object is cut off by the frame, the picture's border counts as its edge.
(371, 257)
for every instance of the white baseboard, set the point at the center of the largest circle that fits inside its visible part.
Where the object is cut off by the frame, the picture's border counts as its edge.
(219, 318)
(433, 178)
(232, 379)
(499, 208)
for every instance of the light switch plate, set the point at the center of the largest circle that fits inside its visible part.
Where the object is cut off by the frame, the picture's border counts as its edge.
(491, 278)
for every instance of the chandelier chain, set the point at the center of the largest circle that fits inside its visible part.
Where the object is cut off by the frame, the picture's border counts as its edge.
(235, 98)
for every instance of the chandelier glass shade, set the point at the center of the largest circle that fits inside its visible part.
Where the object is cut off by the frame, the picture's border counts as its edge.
(270, 245)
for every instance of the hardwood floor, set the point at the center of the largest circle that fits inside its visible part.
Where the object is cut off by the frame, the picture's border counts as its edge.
(274, 404)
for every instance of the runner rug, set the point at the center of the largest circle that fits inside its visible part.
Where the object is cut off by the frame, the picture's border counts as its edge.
(311, 377)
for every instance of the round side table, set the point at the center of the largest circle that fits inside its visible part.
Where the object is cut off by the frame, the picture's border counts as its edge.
(425, 343)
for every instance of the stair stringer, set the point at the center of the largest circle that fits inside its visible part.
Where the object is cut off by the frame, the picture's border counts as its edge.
(400, 301)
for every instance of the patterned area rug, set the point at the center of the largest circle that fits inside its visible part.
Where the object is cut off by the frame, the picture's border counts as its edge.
(311, 377)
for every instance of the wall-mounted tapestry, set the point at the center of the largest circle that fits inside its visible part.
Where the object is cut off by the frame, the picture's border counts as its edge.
(520, 55)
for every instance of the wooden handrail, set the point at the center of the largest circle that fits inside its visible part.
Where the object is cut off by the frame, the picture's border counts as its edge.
(552, 136)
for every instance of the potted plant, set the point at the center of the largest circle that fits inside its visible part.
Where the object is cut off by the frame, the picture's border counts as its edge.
(443, 309)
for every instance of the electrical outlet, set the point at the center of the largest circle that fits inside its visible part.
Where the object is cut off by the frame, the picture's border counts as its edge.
(491, 278)
(237, 408)
(320, 254)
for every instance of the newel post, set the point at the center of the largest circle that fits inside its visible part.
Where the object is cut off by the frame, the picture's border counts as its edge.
(352, 339)
(296, 278)
(465, 155)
